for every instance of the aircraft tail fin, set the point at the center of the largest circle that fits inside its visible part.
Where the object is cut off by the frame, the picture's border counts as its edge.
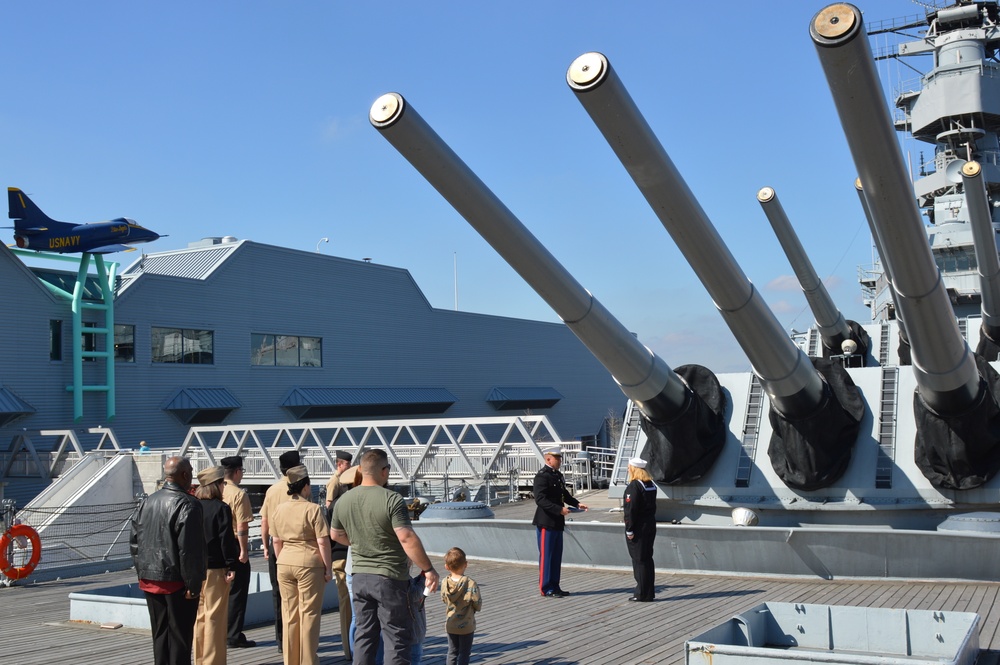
(28, 218)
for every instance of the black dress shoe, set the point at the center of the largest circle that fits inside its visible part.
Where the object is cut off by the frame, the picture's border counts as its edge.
(633, 599)
(562, 593)
(242, 644)
(554, 594)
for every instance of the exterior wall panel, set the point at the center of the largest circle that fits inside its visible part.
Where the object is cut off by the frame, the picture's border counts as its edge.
(377, 330)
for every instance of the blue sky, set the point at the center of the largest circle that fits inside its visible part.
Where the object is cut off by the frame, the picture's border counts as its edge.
(251, 119)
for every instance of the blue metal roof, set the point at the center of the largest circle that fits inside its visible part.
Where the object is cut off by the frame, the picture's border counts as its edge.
(201, 398)
(311, 403)
(12, 407)
(192, 263)
(366, 396)
(12, 404)
(523, 397)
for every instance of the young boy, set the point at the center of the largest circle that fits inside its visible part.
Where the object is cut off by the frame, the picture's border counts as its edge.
(461, 596)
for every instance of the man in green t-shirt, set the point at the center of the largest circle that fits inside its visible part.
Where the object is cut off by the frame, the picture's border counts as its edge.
(374, 522)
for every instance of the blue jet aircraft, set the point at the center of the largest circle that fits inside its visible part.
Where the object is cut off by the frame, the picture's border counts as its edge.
(33, 229)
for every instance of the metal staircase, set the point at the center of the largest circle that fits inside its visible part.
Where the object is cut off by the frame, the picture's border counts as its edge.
(751, 432)
(887, 428)
(628, 444)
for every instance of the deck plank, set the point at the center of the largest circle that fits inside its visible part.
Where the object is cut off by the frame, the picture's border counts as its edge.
(595, 625)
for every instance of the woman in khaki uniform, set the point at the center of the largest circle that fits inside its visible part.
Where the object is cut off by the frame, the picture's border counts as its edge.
(302, 543)
(222, 551)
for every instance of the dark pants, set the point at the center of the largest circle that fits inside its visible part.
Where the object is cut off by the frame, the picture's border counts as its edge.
(640, 548)
(459, 649)
(550, 548)
(238, 594)
(171, 618)
(272, 572)
(382, 605)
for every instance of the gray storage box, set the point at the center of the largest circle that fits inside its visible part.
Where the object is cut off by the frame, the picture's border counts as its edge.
(796, 632)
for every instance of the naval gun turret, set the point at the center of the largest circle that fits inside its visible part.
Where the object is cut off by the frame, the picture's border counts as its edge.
(816, 409)
(911, 453)
(955, 405)
(682, 411)
(838, 335)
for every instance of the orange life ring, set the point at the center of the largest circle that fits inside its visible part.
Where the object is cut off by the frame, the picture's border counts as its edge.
(6, 567)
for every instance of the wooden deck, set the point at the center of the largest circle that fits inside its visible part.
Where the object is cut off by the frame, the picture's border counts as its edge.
(596, 625)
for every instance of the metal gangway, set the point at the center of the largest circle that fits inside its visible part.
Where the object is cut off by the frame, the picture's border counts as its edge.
(427, 455)
(25, 459)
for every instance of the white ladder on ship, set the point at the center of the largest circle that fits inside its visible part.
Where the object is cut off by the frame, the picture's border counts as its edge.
(887, 428)
(628, 444)
(751, 432)
(883, 345)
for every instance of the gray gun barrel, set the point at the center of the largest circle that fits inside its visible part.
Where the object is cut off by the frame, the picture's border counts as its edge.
(885, 263)
(788, 377)
(829, 320)
(984, 240)
(945, 368)
(642, 375)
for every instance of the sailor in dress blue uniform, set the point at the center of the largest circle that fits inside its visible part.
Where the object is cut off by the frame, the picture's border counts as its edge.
(640, 528)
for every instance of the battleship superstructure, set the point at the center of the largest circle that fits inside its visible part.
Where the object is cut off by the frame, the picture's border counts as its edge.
(894, 423)
(955, 108)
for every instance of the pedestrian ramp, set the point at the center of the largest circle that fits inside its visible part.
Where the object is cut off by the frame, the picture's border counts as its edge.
(82, 517)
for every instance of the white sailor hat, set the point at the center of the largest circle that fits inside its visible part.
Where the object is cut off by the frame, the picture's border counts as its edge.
(553, 450)
(637, 462)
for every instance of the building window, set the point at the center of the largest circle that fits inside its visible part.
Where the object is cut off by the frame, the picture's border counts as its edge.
(124, 343)
(286, 350)
(311, 351)
(55, 340)
(182, 345)
(261, 349)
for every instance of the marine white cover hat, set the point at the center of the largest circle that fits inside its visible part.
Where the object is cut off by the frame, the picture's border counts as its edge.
(637, 462)
(552, 450)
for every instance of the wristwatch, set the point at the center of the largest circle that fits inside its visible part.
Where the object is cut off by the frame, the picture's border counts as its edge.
(429, 570)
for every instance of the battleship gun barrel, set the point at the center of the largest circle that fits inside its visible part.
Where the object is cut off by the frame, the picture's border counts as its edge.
(829, 321)
(984, 240)
(642, 376)
(873, 229)
(791, 382)
(945, 369)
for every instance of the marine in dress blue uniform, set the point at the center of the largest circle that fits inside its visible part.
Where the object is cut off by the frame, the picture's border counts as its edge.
(551, 497)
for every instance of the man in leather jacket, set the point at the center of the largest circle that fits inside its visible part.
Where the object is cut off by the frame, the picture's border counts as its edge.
(551, 497)
(168, 550)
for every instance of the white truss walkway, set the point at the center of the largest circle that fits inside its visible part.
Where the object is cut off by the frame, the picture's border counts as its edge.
(455, 449)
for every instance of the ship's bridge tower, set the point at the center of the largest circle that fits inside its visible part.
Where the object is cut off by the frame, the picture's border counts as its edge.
(954, 106)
